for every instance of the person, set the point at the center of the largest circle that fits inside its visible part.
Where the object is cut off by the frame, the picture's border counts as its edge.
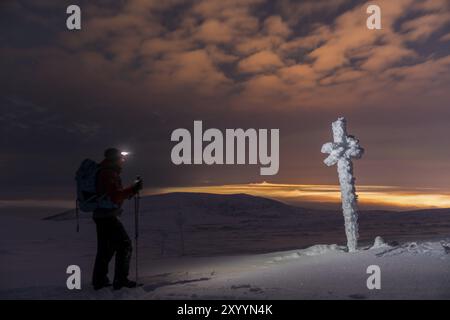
(112, 237)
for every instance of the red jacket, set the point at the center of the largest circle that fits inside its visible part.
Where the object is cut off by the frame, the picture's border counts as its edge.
(109, 183)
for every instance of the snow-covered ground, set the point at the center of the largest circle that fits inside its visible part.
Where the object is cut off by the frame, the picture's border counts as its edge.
(235, 247)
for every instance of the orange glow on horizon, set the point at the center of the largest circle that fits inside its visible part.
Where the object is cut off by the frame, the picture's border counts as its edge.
(300, 194)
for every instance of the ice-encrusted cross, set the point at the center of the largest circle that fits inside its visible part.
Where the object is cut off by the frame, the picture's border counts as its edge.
(341, 151)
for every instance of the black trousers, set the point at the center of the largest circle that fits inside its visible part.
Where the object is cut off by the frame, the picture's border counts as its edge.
(112, 238)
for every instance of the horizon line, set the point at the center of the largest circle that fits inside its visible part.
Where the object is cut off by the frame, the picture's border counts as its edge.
(316, 195)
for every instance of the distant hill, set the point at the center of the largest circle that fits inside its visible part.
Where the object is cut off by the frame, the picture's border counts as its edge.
(217, 204)
(243, 204)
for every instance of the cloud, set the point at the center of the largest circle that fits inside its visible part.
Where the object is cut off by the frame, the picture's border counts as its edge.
(214, 31)
(156, 47)
(212, 48)
(432, 5)
(299, 75)
(421, 28)
(344, 75)
(445, 37)
(250, 45)
(384, 56)
(274, 25)
(429, 72)
(219, 56)
(295, 11)
(314, 39)
(259, 62)
(188, 71)
(333, 58)
(349, 34)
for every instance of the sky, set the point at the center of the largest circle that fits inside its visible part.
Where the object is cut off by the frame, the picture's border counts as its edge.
(137, 70)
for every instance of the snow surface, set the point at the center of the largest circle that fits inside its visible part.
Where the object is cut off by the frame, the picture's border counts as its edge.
(224, 255)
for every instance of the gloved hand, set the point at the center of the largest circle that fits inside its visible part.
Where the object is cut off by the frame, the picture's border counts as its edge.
(138, 185)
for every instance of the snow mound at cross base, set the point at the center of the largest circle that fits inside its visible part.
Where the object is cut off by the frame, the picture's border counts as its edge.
(380, 249)
(379, 243)
(320, 249)
(316, 250)
(437, 249)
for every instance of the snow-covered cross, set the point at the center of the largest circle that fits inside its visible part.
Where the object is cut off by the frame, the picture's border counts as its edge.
(341, 151)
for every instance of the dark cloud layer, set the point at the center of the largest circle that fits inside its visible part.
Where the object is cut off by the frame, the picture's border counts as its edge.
(140, 69)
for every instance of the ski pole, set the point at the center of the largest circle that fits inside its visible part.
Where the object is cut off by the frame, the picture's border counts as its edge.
(136, 227)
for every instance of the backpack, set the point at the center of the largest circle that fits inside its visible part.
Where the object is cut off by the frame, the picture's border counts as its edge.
(86, 178)
(87, 198)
